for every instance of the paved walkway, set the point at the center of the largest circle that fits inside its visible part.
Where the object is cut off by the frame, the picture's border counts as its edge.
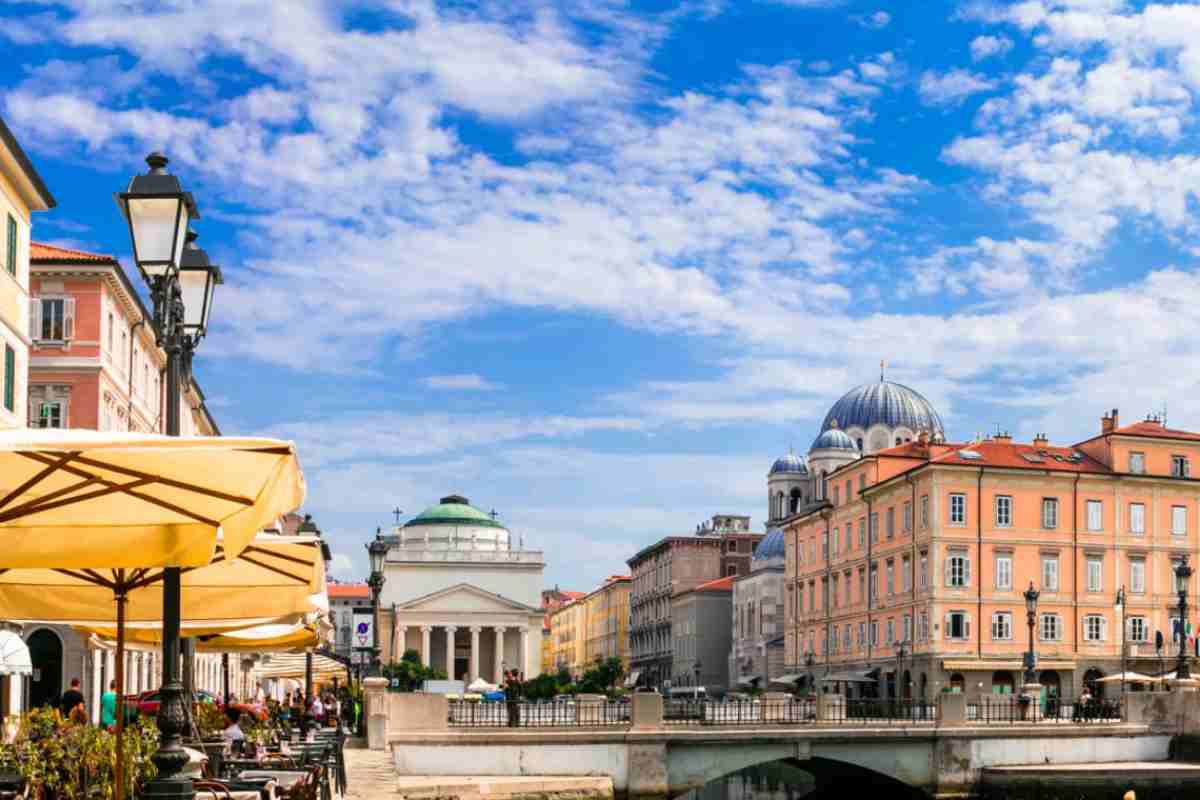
(370, 773)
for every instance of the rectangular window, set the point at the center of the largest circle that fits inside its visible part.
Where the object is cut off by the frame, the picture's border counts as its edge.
(837, 595)
(1049, 513)
(1094, 627)
(891, 632)
(1180, 583)
(846, 638)
(1004, 506)
(874, 583)
(862, 533)
(923, 631)
(1137, 463)
(10, 259)
(907, 519)
(924, 570)
(1095, 515)
(109, 334)
(874, 633)
(1137, 518)
(1050, 573)
(836, 495)
(862, 584)
(1138, 632)
(891, 522)
(891, 577)
(10, 378)
(958, 509)
(1002, 625)
(1180, 467)
(958, 570)
(50, 415)
(849, 491)
(1137, 575)
(862, 481)
(924, 511)
(1095, 573)
(849, 597)
(1004, 568)
(958, 625)
(1179, 520)
(907, 631)
(837, 540)
(874, 526)
(52, 320)
(862, 634)
(906, 575)
(1051, 628)
(824, 546)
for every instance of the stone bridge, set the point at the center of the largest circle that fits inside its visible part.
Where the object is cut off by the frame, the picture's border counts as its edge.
(648, 758)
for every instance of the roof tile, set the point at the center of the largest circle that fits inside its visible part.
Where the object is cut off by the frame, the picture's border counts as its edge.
(39, 252)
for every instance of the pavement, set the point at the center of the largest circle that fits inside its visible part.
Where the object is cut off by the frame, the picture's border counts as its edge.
(1128, 768)
(372, 775)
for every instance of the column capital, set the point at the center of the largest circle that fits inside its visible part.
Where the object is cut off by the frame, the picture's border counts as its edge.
(476, 628)
(426, 629)
(499, 628)
(451, 628)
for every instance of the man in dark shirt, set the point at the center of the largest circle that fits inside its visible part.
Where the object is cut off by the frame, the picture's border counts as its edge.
(71, 697)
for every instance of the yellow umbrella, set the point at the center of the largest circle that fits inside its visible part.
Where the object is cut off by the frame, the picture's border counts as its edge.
(90, 499)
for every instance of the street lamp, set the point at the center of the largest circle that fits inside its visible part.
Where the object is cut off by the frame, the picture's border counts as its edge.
(1031, 598)
(1121, 605)
(158, 211)
(900, 653)
(809, 663)
(1183, 572)
(377, 552)
(696, 686)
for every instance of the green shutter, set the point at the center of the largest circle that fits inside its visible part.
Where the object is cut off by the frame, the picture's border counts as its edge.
(10, 378)
(12, 245)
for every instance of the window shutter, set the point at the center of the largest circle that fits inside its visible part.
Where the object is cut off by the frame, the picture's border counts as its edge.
(35, 319)
(1104, 628)
(946, 627)
(946, 570)
(966, 626)
(69, 318)
(966, 571)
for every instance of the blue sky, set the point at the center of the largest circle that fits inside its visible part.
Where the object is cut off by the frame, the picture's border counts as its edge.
(596, 264)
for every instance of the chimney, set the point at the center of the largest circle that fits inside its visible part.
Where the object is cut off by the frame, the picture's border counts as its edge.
(1040, 440)
(1107, 424)
(1003, 436)
(1115, 423)
(923, 438)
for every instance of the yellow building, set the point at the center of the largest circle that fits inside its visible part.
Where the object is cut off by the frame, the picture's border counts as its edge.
(568, 632)
(607, 612)
(21, 193)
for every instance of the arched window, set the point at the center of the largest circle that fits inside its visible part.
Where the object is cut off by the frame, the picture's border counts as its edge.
(859, 442)
(899, 441)
(957, 683)
(780, 505)
(796, 499)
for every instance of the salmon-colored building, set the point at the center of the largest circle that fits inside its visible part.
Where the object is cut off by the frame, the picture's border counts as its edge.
(93, 362)
(932, 545)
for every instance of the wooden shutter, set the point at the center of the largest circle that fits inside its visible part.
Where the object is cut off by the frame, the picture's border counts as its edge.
(946, 570)
(69, 318)
(946, 627)
(966, 626)
(35, 318)
(10, 378)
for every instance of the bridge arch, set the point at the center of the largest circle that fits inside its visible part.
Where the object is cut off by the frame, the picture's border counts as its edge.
(827, 775)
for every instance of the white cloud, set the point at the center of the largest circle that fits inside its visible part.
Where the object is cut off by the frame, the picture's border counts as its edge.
(342, 566)
(876, 21)
(951, 88)
(987, 46)
(468, 382)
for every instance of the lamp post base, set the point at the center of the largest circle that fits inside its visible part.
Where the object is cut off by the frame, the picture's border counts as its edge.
(1031, 701)
(175, 788)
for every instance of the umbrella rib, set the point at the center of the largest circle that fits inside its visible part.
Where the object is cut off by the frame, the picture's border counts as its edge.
(280, 556)
(87, 576)
(276, 570)
(189, 487)
(38, 478)
(51, 496)
(37, 507)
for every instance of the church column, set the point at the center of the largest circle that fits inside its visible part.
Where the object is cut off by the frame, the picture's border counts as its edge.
(450, 631)
(97, 679)
(402, 642)
(425, 630)
(523, 658)
(499, 659)
(474, 652)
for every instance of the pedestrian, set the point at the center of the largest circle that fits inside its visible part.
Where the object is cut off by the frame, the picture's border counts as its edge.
(318, 709)
(108, 707)
(233, 731)
(71, 699)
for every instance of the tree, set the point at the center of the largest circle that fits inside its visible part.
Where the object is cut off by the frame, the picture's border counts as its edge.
(604, 676)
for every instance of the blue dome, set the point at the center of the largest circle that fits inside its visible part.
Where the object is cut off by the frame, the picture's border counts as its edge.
(834, 439)
(887, 403)
(790, 463)
(772, 546)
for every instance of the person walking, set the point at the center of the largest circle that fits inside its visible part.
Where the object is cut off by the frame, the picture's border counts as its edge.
(108, 707)
(71, 699)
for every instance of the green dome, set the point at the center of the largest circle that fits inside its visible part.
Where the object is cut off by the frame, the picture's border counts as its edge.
(454, 510)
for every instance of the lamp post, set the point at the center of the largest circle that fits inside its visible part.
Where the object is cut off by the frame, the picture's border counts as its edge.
(696, 686)
(900, 653)
(1121, 605)
(809, 663)
(1031, 598)
(377, 552)
(1183, 573)
(181, 283)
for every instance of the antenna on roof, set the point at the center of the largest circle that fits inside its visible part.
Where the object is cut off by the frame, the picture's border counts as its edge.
(1164, 414)
(882, 364)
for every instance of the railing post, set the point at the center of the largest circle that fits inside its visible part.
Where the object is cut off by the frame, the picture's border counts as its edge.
(831, 707)
(952, 709)
(646, 710)
(375, 690)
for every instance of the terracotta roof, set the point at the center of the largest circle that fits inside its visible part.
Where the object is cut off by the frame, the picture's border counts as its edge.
(1018, 455)
(1156, 430)
(348, 591)
(719, 585)
(48, 253)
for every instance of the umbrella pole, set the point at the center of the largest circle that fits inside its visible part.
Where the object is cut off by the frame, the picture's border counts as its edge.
(119, 767)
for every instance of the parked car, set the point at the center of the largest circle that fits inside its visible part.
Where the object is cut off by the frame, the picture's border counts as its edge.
(147, 704)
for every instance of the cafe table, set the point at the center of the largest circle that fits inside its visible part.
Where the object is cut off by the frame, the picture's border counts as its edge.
(284, 778)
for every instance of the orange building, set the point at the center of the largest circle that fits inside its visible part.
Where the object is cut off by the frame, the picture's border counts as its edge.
(931, 545)
(94, 363)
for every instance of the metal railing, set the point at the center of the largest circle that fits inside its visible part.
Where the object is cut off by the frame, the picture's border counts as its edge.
(774, 711)
(1013, 709)
(551, 714)
(886, 711)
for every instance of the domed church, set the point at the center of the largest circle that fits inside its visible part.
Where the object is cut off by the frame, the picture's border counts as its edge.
(868, 418)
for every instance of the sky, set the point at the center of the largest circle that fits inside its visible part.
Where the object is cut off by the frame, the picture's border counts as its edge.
(597, 264)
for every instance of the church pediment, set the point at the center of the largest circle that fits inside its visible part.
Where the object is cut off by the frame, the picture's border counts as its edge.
(464, 598)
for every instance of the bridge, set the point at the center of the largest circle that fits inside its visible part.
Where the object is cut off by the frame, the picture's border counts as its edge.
(940, 750)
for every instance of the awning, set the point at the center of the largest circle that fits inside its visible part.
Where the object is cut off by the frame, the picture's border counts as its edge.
(1131, 677)
(786, 679)
(1009, 664)
(847, 677)
(748, 680)
(632, 678)
(14, 655)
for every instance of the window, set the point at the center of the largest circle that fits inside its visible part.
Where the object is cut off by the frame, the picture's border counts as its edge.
(874, 583)
(958, 570)
(906, 520)
(924, 570)
(849, 598)
(110, 331)
(906, 575)
(837, 595)
(874, 633)
(891, 522)
(10, 259)
(1179, 467)
(958, 509)
(1002, 625)
(1051, 628)
(849, 495)
(1137, 463)
(907, 631)
(859, 442)
(1050, 573)
(924, 511)
(874, 527)
(1095, 572)
(1050, 512)
(1138, 632)
(923, 626)
(1094, 627)
(1137, 518)
(891, 577)
(837, 541)
(891, 631)
(862, 478)
(1003, 511)
(958, 625)
(1180, 584)
(862, 532)
(862, 584)
(10, 377)
(1004, 567)
(1179, 520)
(1095, 515)
(731, 569)
(846, 638)
(836, 495)
(50, 415)
(862, 634)
(824, 546)
(1137, 575)
(849, 539)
